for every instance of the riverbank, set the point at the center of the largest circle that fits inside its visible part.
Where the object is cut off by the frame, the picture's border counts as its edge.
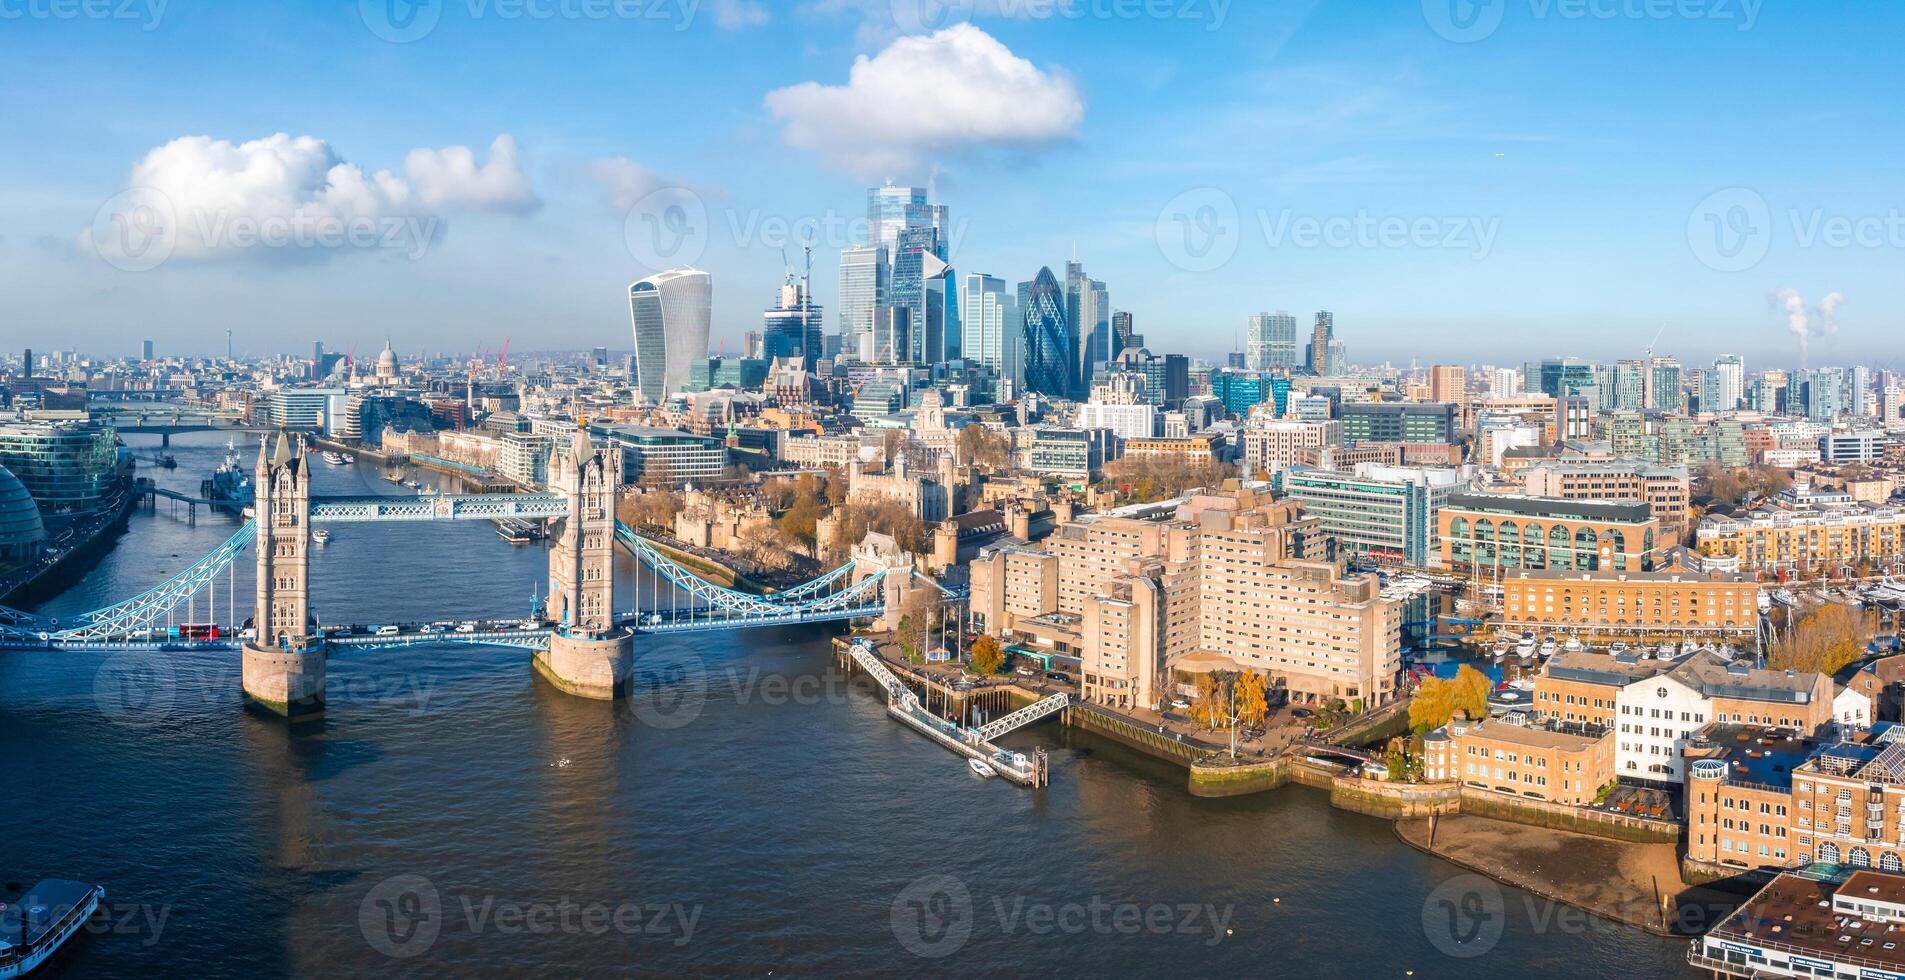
(1637, 884)
(83, 545)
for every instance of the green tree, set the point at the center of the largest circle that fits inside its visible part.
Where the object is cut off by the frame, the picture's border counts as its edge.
(987, 657)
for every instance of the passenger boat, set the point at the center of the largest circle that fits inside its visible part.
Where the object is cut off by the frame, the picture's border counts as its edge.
(34, 926)
(321, 536)
(982, 768)
(516, 531)
(334, 458)
(414, 485)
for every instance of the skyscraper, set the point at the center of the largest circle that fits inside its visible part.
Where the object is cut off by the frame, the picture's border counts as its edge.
(1666, 390)
(1324, 331)
(670, 312)
(1050, 359)
(862, 290)
(1088, 312)
(993, 334)
(1270, 343)
(891, 210)
(145, 350)
(1728, 382)
(1124, 335)
(791, 328)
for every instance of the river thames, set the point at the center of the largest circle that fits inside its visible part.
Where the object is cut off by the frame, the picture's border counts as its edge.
(748, 812)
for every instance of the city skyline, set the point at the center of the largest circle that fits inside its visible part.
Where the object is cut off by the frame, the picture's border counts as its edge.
(517, 223)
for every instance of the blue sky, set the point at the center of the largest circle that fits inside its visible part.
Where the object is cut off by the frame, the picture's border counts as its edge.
(1577, 178)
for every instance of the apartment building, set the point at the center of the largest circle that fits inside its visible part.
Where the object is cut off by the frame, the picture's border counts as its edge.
(1665, 489)
(1739, 801)
(1502, 533)
(1656, 717)
(1810, 532)
(1560, 765)
(1274, 445)
(1631, 603)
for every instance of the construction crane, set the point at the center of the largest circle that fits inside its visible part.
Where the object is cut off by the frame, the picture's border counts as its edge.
(502, 357)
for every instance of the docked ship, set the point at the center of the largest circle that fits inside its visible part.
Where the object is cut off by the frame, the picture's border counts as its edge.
(517, 531)
(335, 458)
(230, 484)
(34, 925)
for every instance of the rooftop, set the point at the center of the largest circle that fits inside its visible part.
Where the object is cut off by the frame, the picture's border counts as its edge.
(1550, 507)
(1799, 910)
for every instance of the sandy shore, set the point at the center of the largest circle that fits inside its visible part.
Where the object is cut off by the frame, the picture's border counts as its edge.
(1637, 884)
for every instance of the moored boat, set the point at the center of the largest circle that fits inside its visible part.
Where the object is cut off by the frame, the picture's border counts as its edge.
(36, 924)
(982, 768)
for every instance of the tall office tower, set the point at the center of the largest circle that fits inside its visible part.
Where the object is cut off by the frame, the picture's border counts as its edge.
(1338, 360)
(1627, 386)
(1448, 383)
(1235, 360)
(670, 312)
(1270, 342)
(1560, 376)
(26, 363)
(892, 337)
(599, 357)
(938, 332)
(145, 350)
(918, 257)
(1665, 394)
(993, 331)
(1124, 335)
(790, 328)
(1728, 381)
(1088, 312)
(891, 210)
(1891, 395)
(1701, 395)
(1858, 385)
(1824, 394)
(1504, 383)
(1050, 360)
(1317, 359)
(751, 345)
(862, 290)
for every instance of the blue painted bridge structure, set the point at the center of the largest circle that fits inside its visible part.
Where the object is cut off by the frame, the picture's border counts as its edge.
(678, 600)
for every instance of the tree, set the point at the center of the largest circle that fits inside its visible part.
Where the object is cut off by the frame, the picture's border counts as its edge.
(1470, 693)
(978, 445)
(1433, 704)
(919, 613)
(891, 442)
(1252, 706)
(1825, 640)
(801, 519)
(987, 657)
(1211, 706)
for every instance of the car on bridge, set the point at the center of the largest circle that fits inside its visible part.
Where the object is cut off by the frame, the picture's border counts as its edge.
(466, 627)
(387, 630)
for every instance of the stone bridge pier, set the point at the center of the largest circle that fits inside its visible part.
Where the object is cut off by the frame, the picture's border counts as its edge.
(283, 664)
(589, 654)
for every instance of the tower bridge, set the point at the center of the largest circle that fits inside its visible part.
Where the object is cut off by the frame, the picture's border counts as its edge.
(582, 643)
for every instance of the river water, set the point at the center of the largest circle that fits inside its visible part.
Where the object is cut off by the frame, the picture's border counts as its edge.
(747, 812)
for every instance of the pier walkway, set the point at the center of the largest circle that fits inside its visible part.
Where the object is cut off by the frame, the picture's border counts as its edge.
(973, 743)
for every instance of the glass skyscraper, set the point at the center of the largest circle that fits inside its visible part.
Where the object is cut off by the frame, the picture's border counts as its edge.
(1088, 311)
(792, 327)
(1270, 343)
(992, 328)
(670, 313)
(862, 290)
(891, 210)
(1050, 359)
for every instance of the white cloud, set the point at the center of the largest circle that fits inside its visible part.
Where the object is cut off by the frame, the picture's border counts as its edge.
(623, 181)
(293, 196)
(451, 177)
(954, 90)
(732, 15)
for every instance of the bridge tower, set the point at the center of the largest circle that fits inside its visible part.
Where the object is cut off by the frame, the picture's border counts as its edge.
(284, 662)
(590, 655)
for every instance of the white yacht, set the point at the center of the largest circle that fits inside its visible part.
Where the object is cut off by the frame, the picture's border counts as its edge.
(982, 768)
(321, 536)
(1527, 644)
